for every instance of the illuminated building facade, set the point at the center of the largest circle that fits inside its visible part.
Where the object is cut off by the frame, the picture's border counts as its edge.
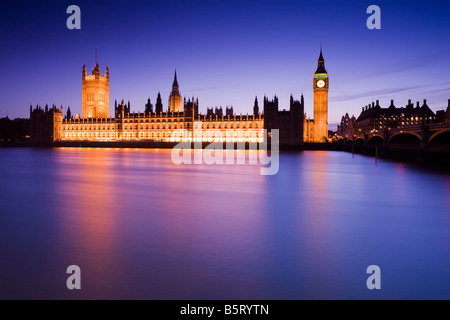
(316, 130)
(182, 121)
(95, 93)
(175, 101)
(164, 126)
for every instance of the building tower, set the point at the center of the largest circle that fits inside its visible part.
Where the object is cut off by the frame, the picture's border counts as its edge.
(175, 101)
(320, 85)
(256, 108)
(158, 105)
(95, 93)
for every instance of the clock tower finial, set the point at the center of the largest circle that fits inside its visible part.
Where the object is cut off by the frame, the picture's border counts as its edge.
(321, 63)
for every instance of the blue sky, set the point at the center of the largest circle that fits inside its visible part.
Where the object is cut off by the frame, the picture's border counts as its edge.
(226, 52)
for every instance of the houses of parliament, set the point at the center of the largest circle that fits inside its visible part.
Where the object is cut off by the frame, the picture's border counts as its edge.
(159, 125)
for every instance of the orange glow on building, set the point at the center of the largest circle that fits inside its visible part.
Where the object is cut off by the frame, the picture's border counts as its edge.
(181, 121)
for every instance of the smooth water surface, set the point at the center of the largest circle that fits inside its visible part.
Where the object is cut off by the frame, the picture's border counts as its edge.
(140, 227)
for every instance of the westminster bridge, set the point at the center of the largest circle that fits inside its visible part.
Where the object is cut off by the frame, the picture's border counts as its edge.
(423, 139)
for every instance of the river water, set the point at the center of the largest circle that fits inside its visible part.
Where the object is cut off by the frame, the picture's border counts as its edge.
(141, 227)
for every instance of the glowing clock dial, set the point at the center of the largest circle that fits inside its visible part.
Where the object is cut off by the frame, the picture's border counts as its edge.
(321, 83)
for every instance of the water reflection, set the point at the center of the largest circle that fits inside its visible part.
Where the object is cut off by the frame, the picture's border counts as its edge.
(140, 226)
(88, 193)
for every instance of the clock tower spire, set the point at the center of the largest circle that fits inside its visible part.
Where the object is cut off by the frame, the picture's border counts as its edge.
(321, 63)
(320, 86)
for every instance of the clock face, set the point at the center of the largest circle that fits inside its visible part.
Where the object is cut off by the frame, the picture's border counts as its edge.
(321, 83)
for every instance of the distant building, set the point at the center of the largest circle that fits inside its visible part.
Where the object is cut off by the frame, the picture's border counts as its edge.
(373, 117)
(346, 129)
(447, 113)
(46, 124)
(14, 129)
(443, 115)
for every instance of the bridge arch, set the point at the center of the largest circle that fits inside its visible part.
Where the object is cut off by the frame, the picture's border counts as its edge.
(437, 133)
(439, 144)
(410, 133)
(359, 140)
(375, 140)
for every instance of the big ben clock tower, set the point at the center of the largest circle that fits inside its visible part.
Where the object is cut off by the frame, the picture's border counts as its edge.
(320, 86)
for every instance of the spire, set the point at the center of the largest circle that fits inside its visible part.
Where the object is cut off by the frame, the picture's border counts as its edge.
(107, 73)
(175, 84)
(321, 56)
(321, 63)
(158, 105)
(83, 73)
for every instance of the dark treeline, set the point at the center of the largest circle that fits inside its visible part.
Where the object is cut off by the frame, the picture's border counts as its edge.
(14, 130)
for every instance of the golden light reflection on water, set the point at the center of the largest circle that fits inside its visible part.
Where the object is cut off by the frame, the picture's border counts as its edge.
(116, 199)
(89, 213)
(140, 226)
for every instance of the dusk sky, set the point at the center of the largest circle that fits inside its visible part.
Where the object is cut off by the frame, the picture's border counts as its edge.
(226, 52)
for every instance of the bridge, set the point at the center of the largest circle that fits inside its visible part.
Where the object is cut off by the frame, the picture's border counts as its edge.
(425, 138)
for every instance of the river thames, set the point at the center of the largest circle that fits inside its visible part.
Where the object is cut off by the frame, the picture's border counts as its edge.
(141, 227)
